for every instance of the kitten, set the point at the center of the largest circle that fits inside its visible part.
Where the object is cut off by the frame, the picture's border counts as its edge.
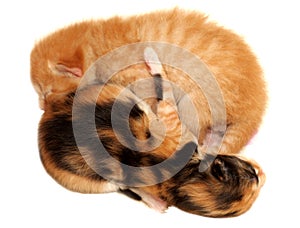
(59, 61)
(227, 188)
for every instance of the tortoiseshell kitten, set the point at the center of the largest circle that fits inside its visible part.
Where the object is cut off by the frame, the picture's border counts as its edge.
(227, 188)
(60, 60)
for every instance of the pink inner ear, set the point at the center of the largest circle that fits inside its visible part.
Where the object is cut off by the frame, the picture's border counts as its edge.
(152, 61)
(77, 72)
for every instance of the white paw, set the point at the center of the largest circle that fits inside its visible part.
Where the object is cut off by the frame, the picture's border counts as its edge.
(151, 201)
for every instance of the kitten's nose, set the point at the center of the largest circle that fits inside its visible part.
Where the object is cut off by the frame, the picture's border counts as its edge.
(261, 176)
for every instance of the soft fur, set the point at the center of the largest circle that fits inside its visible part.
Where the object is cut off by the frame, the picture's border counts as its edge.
(59, 60)
(227, 188)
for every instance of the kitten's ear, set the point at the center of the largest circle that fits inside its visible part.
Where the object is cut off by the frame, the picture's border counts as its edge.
(152, 61)
(69, 71)
(64, 69)
(219, 170)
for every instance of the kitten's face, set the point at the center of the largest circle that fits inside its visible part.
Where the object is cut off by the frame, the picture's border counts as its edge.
(227, 188)
(51, 73)
(57, 86)
(47, 82)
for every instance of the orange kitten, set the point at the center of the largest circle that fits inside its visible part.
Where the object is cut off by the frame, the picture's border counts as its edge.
(60, 60)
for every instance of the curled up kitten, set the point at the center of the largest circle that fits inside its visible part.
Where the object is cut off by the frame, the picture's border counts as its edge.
(59, 61)
(227, 188)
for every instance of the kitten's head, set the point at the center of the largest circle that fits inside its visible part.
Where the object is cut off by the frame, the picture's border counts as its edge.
(227, 188)
(56, 64)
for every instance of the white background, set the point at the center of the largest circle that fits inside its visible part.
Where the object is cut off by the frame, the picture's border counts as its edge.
(30, 198)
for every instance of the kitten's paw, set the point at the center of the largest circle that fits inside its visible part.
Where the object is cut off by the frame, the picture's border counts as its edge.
(156, 203)
(152, 201)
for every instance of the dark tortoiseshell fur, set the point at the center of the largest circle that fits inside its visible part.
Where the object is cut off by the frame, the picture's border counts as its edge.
(227, 188)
